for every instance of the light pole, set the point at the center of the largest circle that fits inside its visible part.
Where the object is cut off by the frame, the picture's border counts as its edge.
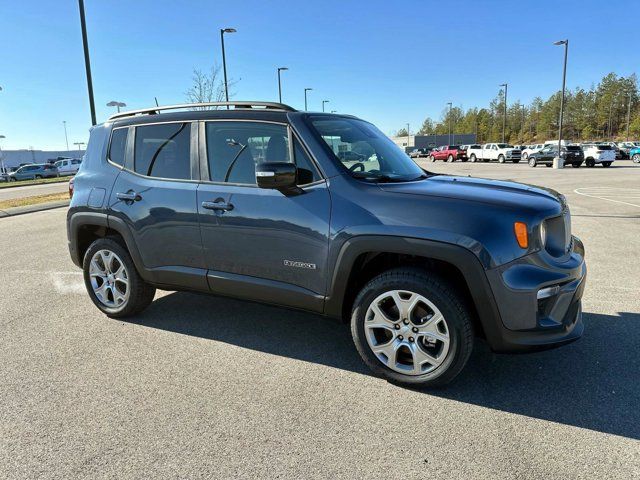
(224, 61)
(323, 102)
(305, 97)
(628, 114)
(66, 139)
(87, 61)
(450, 105)
(504, 113)
(522, 128)
(79, 144)
(280, 69)
(114, 103)
(408, 136)
(564, 78)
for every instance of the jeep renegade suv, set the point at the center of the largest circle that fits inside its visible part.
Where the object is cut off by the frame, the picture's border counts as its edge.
(255, 201)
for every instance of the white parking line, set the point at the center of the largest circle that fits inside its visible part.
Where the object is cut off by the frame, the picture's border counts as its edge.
(604, 193)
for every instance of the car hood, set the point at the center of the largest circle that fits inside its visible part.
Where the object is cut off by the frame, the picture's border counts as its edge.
(507, 194)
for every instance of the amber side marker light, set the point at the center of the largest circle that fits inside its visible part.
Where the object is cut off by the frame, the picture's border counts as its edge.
(520, 229)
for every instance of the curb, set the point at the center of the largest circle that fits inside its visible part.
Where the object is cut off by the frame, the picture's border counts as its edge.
(19, 184)
(12, 212)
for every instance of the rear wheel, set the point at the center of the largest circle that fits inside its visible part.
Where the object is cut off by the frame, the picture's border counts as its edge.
(532, 162)
(450, 158)
(590, 163)
(112, 281)
(472, 158)
(636, 158)
(548, 165)
(525, 155)
(500, 158)
(576, 165)
(606, 164)
(432, 158)
(412, 328)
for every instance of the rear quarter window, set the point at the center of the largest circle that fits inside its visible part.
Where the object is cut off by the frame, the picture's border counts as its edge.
(118, 145)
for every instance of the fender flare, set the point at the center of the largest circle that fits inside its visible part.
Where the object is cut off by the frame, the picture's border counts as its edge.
(77, 220)
(463, 259)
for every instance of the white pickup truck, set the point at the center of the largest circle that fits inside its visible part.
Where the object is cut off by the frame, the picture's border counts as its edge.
(502, 152)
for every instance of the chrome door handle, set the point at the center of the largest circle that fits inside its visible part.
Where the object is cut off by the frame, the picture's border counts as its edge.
(225, 207)
(129, 196)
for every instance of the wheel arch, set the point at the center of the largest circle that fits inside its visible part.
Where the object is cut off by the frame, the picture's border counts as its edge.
(362, 258)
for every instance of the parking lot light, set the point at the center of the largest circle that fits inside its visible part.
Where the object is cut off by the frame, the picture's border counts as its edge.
(114, 103)
(224, 61)
(305, 97)
(280, 69)
(564, 78)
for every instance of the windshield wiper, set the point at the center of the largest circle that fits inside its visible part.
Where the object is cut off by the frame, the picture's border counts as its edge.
(381, 177)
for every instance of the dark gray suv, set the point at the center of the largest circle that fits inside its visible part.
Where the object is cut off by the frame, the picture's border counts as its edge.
(258, 201)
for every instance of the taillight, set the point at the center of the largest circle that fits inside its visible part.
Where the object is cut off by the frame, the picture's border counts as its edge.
(71, 187)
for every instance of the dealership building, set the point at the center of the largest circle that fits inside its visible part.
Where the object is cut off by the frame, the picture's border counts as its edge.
(12, 159)
(409, 142)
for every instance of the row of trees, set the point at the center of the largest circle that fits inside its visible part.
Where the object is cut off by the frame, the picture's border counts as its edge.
(599, 113)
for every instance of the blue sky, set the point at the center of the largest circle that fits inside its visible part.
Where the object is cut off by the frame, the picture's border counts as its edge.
(388, 62)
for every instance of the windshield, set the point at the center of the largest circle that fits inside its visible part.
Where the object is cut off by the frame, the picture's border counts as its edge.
(504, 145)
(365, 151)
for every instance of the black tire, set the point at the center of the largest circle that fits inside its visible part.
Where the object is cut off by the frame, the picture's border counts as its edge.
(606, 164)
(472, 158)
(140, 293)
(590, 163)
(525, 155)
(533, 162)
(432, 158)
(450, 158)
(576, 165)
(500, 158)
(516, 160)
(636, 158)
(444, 296)
(548, 165)
(37, 177)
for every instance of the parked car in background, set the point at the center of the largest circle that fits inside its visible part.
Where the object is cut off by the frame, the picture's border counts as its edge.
(68, 166)
(502, 152)
(595, 153)
(571, 154)
(419, 153)
(626, 147)
(634, 154)
(448, 153)
(531, 149)
(33, 172)
(350, 156)
(620, 153)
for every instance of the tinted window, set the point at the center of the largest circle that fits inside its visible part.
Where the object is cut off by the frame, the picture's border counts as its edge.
(605, 147)
(234, 149)
(307, 172)
(574, 148)
(118, 145)
(453, 147)
(163, 151)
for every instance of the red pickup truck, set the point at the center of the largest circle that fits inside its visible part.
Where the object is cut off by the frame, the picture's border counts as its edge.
(449, 153)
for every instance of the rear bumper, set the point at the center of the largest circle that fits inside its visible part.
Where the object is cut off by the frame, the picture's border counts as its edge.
(539, 302)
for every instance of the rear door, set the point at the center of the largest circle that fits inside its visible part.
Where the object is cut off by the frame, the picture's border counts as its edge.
(155, 196)
(260, 243)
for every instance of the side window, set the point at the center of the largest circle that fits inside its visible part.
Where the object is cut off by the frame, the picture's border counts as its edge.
(163, 151)
(307, 172)
(235, 148)
(118, 145)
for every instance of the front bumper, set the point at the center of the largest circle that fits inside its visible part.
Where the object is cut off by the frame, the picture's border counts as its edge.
(539, 299)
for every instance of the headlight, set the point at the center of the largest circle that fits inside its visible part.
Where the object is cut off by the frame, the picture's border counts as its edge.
(543, 234)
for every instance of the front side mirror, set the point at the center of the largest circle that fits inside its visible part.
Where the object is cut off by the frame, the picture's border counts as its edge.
(278, 175)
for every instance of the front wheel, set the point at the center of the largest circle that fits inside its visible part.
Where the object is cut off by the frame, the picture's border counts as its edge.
(112, 281)
(576, 165)
(525, 155)
(636, 158)
(501, 159)
(590, 163)
(472, 158)
(450, 158)
(412, 328)
(532, 162)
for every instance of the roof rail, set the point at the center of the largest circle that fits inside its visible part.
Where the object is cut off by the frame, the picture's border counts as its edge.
(192, 106)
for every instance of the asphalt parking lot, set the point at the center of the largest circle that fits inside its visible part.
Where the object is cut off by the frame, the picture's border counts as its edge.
(204, 387)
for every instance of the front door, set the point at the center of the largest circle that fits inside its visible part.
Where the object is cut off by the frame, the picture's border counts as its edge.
(155, 196)
(261, 243)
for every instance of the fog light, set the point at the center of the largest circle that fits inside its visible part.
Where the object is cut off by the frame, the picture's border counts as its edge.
(548, 292)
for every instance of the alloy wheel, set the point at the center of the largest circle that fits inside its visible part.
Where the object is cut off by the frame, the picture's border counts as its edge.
(109, 279)
(407, 332)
